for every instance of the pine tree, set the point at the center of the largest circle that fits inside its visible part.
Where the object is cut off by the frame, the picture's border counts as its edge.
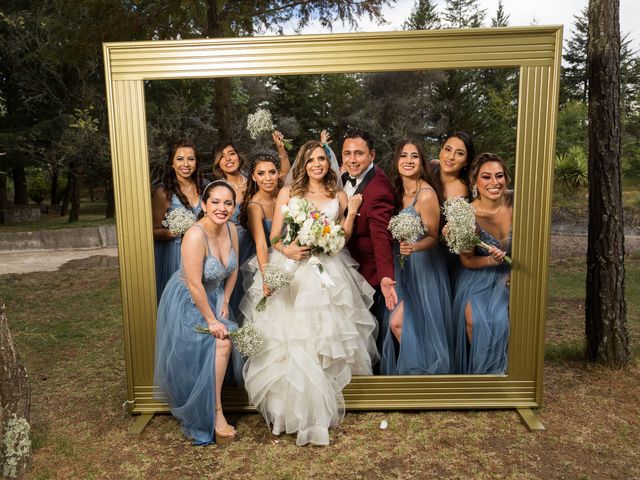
(424, 16)
(574, 83)
(463, 14)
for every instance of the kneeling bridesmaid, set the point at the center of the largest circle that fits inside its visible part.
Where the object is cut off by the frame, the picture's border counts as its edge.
(190, 366)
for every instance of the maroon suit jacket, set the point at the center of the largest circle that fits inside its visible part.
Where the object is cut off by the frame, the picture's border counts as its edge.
(371, 244)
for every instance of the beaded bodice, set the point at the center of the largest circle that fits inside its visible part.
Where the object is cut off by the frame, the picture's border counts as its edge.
(214, 272)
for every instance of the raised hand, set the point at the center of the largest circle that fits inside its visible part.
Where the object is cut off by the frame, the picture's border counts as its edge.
(325, 137)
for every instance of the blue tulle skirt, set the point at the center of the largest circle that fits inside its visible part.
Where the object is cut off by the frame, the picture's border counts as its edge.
(184, 372)
(487, 291)
(167, 262)
(423, 292)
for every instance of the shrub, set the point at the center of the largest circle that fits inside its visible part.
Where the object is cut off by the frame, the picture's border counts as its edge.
(571, 168)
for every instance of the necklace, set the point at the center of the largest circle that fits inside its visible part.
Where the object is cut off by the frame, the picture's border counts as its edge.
(240, 185)
(189, 189)
(489, 212)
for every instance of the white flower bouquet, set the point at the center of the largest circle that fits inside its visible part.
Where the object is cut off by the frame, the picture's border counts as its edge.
(275, 277)
(178, 221)
(461, 234)
(248, 339)
(405, 227)
(261, 123)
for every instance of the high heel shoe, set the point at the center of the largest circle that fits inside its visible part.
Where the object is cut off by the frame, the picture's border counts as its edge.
(225, 436)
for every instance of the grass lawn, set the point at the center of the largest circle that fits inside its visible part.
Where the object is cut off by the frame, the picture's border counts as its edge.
(91, 215)
(67, 325)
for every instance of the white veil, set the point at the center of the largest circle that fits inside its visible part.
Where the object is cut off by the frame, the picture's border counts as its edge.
(333, 164)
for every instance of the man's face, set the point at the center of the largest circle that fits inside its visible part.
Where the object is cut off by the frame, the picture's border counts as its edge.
(356, 156)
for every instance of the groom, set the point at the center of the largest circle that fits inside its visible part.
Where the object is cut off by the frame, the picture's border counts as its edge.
(371, 243)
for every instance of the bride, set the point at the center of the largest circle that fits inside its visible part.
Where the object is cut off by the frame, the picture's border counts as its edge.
(318, 329)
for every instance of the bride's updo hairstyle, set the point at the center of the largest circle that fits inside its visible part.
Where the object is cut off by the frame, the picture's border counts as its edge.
(300, 184)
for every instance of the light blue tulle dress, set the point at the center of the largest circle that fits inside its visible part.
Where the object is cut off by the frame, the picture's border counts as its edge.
(245, 279)
(488, 291)
(185, 359)
(246, 248)
(167, 253)
(423, 289)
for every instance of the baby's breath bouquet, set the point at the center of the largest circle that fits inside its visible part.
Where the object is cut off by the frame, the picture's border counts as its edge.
(261, 123)
(275, 277)
(406, 227)
(461, 235)
(179, 220)
(248, 339)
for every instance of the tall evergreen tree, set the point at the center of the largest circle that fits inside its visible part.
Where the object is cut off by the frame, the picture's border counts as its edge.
(574, 74)
(424, 16)
(501, 19)
(463, 14)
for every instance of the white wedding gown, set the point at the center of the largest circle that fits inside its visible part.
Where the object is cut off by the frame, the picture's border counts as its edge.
(317, 336)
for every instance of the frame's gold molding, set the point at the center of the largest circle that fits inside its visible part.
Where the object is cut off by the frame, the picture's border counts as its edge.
(536, 51)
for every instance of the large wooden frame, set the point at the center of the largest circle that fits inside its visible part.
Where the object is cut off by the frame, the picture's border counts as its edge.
(536, 51)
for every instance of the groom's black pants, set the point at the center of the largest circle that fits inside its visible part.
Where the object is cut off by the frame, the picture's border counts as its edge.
(378, 310)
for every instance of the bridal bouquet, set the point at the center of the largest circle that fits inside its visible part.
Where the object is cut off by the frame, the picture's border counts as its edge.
(313, 229)
(461, 235)
(405, 227)
(248, 339)
(275, 277)
(178, 221)
(261, 123)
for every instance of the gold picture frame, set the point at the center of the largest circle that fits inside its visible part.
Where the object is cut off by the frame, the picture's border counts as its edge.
(536, 51)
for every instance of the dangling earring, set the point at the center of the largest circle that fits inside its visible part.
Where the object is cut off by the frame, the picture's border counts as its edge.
(474, 191)
(204, 213)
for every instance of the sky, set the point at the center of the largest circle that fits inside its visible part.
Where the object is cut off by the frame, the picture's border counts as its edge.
(521, 13)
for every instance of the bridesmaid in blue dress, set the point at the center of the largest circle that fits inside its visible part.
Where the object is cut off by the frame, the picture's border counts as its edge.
(415, 341)
(481, 302)
(257, 210)
(229, 165)
(181, 188)
(189, 366)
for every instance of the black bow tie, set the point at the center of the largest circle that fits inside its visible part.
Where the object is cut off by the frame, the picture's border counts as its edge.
(348, 178)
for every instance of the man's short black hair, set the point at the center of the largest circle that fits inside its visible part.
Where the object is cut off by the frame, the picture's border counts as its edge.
(357, 133)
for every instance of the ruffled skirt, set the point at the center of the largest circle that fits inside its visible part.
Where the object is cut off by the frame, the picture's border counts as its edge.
(318, 333)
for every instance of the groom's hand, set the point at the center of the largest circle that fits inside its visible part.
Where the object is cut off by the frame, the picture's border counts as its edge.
(389, 292)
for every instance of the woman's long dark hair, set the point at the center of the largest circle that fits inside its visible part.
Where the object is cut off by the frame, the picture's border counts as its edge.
(170, 180)
(252, 187)
(425, 172)
(467, 139)
(217, 156)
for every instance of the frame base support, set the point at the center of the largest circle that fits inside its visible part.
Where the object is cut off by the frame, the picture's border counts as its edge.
(530, 419)
(140, 423)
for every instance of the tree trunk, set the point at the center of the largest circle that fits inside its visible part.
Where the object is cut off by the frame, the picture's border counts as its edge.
(54, 186)
(4, 194)
(15, 407)
(74, 214)
(20, 196)
(222, 105)
(66, 195)
(606, 309)
(111, 202)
